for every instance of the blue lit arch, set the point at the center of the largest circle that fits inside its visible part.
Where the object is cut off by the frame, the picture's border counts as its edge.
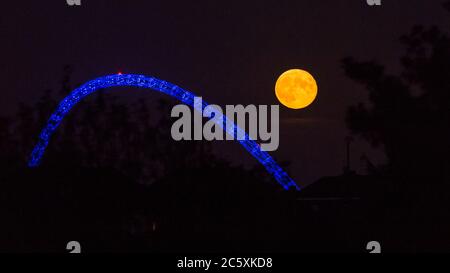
(165, 87)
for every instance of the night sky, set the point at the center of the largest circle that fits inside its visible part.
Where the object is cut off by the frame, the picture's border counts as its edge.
(227, 52)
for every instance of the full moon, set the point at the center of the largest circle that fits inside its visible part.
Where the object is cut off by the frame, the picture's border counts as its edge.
(296, 88)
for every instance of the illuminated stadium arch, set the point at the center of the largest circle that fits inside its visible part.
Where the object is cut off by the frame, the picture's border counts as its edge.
(142, 81)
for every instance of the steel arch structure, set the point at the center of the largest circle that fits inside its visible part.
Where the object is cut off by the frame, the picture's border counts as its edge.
(141, 81)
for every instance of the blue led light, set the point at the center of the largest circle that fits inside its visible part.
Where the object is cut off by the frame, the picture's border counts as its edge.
(165, 87)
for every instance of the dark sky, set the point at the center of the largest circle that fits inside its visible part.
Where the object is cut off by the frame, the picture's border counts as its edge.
(228, 52)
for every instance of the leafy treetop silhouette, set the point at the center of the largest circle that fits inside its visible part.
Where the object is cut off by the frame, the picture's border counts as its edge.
(408, 113)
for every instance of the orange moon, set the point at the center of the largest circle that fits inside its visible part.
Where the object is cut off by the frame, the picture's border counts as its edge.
(296, 89)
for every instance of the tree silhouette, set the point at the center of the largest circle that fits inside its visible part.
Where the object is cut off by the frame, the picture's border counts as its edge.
(408, 113)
